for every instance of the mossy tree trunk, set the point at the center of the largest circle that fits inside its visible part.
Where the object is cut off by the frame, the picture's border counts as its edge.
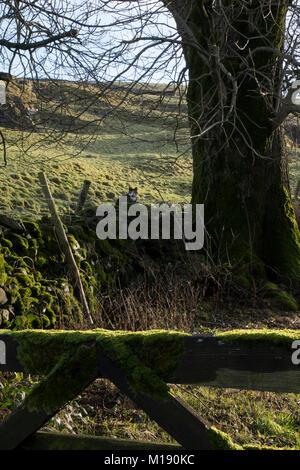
(240, 171)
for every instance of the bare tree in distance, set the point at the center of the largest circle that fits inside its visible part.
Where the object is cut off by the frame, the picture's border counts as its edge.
(241, 61)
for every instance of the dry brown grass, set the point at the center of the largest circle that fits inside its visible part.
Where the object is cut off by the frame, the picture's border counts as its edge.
(167, 303)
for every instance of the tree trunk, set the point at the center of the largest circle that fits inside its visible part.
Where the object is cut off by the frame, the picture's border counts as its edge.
(240, 171)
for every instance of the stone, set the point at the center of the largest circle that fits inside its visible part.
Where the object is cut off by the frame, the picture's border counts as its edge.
(11, 223)
(3, 296)
(5, 314)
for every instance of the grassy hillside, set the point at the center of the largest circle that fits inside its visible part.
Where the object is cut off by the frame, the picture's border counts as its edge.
(81, 137)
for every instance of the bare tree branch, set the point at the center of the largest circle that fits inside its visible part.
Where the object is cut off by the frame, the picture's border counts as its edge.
(39, 44)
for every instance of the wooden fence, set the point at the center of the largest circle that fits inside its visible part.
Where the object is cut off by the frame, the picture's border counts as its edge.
(204, 360)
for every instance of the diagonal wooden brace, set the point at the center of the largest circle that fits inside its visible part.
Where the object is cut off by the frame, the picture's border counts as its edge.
(172, 414)
(26, 420)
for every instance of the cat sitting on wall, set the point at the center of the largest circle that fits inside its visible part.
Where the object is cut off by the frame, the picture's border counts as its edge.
(131, 196)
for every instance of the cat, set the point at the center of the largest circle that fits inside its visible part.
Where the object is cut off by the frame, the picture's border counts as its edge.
(131, 196)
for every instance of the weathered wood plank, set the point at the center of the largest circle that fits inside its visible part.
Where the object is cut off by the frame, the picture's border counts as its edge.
(172, 414)
(19, 425)
(61, 441)
(213, 361)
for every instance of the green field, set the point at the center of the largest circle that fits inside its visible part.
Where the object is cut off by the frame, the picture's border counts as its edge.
(133, 145)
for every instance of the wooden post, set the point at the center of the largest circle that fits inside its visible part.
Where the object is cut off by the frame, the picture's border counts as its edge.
(83, 195)
(64, 243)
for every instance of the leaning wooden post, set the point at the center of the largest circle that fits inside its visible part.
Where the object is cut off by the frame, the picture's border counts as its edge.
(64, 243)
(83, 195)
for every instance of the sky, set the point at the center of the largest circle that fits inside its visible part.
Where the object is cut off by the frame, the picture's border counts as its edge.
(106, 53)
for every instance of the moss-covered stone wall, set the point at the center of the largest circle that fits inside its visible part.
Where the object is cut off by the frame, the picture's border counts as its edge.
(36, 287)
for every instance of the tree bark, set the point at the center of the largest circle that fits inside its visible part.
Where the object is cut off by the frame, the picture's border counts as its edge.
(240, 170)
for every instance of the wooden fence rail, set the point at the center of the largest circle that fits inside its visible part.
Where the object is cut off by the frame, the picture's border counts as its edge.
(254, 364)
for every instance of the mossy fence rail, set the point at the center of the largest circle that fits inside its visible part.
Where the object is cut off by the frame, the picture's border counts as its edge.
(71, 360)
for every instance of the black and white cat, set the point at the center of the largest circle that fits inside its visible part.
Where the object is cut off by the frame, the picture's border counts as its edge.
(132, 196)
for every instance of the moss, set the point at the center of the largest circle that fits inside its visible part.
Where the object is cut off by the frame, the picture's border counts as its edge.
(46, 323)
(6, 251)
(7, 243)
(32, 272)
(34, 321)
(285, 301)
(72, 241)
(41, 261)
(57, 258)
(145, 362)
(24, 301)
(101, 274)
(221, 441)
(260, 447)
(33, 228)
(276, 337)
(270, 286)
(104, 247)
(20, 322)
(282, 245)
(46, 299)
(278, 298)
(81, 253)
(20, 244)
(33, 261)
(64, 381)
(50, 314)
(25, 279)
(36, 290)
(33, 247)
(69, 304)
(87, 268)
(12, 285)
(89, 286)
(16, 261)
(3, 275)
(242, 280)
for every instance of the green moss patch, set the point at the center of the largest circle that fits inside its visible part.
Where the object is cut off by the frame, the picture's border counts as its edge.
(276, 337)
(37, 280)
(258, 447)
(221, 441)
(64, 381)
(141, 355)
(279, 299)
